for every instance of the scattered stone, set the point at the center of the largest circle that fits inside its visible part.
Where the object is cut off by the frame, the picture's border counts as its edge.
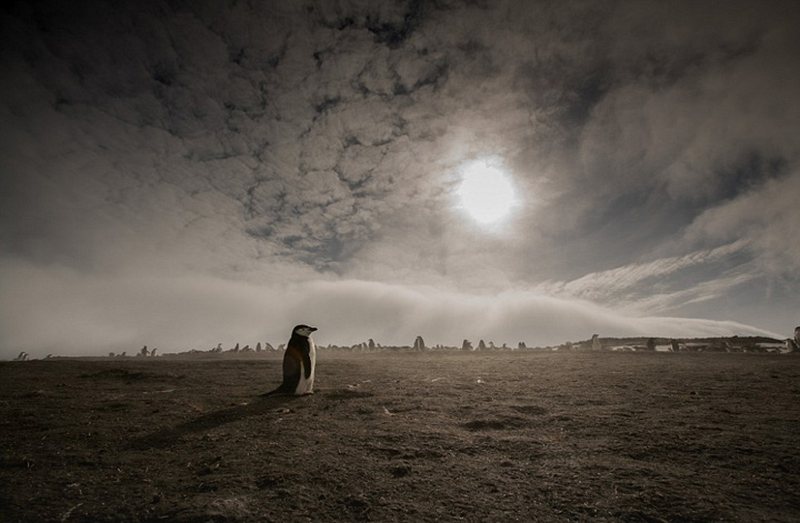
(401, 471)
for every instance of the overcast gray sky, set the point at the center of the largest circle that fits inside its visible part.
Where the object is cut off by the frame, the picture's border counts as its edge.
(179, 174)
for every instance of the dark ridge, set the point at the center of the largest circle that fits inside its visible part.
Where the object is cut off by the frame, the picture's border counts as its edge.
(751, 169)
(327, 103)
(588, 93)
(163, 75)
(238, 57)
(438, 73)
(350, 141)
(393, 35)
(344, 23)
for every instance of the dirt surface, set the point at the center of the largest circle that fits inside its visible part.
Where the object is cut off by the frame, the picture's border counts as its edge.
(410, 437)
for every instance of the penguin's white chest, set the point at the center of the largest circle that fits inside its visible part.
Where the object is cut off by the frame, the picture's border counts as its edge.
(306, 385)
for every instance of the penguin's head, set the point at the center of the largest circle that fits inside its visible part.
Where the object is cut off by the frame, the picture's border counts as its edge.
(303, 330)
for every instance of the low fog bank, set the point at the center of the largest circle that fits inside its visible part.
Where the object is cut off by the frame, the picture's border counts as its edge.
(60, 311)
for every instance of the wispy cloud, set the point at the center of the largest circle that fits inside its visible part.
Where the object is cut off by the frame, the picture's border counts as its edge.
(663, 284)
(665, 301)
(768, 215)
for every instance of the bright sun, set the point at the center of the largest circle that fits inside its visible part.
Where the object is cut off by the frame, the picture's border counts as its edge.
(486, 192)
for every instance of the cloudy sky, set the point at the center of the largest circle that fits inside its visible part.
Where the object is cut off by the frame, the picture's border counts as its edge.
(180, 174)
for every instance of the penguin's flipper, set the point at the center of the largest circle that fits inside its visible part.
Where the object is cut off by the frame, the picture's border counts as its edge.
(307, 364)
(290, 381)
(291, 370)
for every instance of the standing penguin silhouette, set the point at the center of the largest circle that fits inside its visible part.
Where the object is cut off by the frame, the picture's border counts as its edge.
(299, 363)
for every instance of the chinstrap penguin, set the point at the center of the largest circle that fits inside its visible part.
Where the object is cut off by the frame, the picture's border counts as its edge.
(299, 363)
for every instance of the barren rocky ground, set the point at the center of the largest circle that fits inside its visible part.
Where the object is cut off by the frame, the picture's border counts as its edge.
(406, 437)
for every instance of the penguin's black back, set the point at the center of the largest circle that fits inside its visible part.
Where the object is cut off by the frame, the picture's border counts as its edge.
(296, 361)
(302, 344)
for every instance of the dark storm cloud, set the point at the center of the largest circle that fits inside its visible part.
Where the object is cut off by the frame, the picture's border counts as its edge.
(296, 141)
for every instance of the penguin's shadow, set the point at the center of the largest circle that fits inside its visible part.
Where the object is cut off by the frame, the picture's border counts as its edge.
(170, 436)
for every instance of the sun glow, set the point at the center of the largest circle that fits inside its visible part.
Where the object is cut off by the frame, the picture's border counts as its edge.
(486, 192)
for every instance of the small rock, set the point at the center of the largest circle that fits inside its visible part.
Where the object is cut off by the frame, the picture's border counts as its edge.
(400, 471)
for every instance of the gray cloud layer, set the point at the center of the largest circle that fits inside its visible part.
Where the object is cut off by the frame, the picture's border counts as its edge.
(297, 142)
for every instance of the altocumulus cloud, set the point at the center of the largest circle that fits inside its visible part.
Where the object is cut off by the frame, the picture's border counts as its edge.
(180, 175)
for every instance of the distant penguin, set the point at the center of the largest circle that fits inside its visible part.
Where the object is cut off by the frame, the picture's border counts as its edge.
(299, 362)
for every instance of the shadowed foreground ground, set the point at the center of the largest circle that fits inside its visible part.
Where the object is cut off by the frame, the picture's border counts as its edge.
(502, 436)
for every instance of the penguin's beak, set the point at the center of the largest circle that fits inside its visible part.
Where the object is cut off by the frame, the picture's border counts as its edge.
(312, 329)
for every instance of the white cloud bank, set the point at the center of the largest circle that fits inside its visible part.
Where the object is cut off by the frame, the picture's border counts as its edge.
(62, 311)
